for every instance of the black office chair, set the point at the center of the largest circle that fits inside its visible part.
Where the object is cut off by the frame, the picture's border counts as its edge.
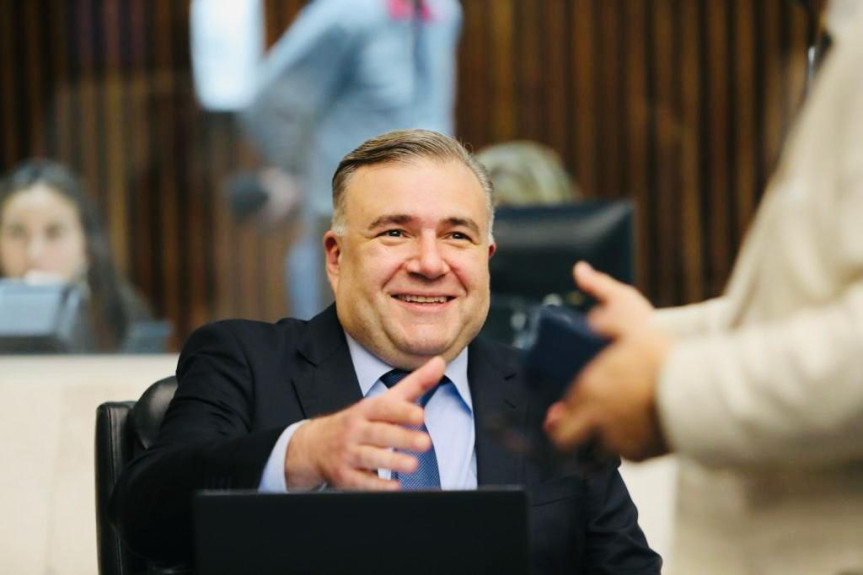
(125, 429)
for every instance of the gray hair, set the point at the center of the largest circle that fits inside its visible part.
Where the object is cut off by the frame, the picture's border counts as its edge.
(405, 146)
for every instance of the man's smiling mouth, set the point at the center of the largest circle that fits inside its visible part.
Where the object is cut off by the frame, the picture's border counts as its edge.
(422, 298)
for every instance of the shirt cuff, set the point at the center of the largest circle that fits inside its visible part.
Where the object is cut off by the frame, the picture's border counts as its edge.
(273, 477)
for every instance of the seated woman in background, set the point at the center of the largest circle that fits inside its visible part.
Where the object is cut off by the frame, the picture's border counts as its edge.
(50, 232)
(526, 173)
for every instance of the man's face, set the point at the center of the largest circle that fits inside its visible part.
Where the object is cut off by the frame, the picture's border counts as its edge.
(410, 273)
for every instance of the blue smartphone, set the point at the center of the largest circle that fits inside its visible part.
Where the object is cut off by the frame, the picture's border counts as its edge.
(560, 344)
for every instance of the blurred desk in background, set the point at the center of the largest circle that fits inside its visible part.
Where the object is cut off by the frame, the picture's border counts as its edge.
(47, 425)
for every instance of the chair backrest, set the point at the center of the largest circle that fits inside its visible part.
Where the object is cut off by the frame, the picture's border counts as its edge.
(124, 429)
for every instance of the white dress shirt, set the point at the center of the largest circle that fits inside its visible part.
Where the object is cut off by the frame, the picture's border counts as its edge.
(448, 417)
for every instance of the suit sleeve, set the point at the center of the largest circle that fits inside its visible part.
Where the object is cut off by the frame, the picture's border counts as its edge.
(694, 319)
(615, 543)
(298, 79)
(778, 392)
(206, 442)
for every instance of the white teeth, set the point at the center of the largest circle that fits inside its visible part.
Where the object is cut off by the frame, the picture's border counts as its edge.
(422, 299)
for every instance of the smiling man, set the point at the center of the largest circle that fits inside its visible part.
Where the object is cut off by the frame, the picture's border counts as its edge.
(388, 389)
(408, 254)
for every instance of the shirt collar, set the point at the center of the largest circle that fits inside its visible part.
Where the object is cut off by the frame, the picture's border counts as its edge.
(370, 368)
(404, 9)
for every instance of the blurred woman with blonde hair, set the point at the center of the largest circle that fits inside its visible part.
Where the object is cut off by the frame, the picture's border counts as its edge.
(527, 173)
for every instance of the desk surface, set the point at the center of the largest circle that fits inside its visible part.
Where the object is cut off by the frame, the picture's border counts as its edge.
(47, 422)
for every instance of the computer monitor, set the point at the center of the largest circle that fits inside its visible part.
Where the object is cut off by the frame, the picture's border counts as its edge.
(41, 318)
(536, 249)
(146, 336)
(436, 532)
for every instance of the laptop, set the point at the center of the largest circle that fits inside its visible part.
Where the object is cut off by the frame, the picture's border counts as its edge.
(332, 532)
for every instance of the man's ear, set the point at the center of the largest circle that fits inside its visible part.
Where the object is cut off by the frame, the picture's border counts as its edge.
(333, 256)
(492, 247)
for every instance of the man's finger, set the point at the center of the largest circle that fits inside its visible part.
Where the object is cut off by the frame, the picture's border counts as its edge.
(388, 408)
(595, 283)
(368, 481)
(395, 436)
(420, 380)
(367, 457)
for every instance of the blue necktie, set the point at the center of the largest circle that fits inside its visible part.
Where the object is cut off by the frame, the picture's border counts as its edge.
(427, 475)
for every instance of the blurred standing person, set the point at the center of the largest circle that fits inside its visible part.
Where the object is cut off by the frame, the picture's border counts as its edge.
(227, 38)
(50, 232)
(759, 391)
(344, 71)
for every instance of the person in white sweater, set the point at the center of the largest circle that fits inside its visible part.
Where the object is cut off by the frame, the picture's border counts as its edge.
(759, 392)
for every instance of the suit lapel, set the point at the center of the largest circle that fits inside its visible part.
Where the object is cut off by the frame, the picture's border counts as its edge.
(494, 388)
(325, 379)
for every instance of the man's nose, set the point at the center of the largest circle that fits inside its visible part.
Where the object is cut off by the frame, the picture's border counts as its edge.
(428, 260)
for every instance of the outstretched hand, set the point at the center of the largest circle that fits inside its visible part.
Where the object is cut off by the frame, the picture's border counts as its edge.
(346, 448)
(613, 397)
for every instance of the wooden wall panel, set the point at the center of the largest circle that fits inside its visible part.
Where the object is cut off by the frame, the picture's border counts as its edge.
(690, 178)
(583, 162)
(11, 89)
(746, 179)
(718, 124)
(635, 107)
(665, 154)
(556, 57)
(681, 105)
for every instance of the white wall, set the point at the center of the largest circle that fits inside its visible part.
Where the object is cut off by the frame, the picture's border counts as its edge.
(47, 425)
(652, 486)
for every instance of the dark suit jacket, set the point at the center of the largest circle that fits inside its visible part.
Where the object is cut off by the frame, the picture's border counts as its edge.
(242, 382)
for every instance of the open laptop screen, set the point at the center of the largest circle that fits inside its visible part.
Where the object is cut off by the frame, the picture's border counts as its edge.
(417, 532)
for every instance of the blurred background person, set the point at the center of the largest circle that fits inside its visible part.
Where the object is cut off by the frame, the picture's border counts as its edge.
(527, 173)
(227, 44)
(344, 71)
(50, 232)
(536, 197)
(760, 390)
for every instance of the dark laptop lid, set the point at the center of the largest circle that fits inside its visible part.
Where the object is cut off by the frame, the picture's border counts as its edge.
(408, 532)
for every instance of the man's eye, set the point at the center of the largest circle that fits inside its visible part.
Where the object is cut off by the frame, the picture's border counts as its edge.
(460, 236)
(392, 233)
